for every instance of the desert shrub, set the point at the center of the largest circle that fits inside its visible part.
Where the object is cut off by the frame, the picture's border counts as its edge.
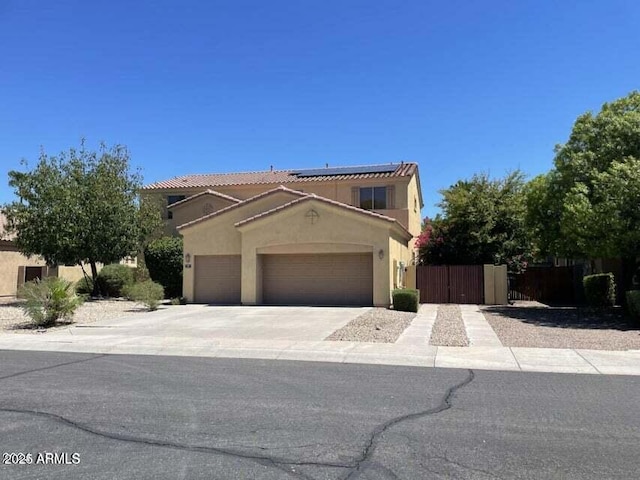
(178, 301)
(84, 286)
(148, 292)
(600, 289)
(140, 273)
(633, 303)
(405, 300)
(112, 278)
(46, 301)
(163, 258)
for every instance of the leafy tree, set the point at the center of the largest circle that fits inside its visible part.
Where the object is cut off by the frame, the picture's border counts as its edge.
(482, 221)
(587, 205)
(80, 207)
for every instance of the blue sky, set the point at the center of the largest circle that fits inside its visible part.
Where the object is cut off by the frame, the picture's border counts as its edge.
(193, 87)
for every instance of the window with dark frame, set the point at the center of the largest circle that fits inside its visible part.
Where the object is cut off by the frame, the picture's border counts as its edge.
(171, 199)
(373, 198)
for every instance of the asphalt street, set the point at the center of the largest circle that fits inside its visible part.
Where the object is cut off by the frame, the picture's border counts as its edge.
(127, 416)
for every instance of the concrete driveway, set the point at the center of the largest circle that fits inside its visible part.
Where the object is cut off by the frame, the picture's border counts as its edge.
(228, 322)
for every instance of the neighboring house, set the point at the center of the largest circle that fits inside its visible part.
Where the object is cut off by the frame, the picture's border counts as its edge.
(16, 268)
(328, 236)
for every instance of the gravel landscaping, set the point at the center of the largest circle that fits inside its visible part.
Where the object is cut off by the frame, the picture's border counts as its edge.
(448, 329)
(378, 325)
(532, 324)
(13, 319)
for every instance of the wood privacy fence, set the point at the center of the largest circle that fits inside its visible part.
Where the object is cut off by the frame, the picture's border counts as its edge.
(450, 283)
(547, 285)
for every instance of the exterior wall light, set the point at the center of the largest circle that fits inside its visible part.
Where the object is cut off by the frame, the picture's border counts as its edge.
(381, 254)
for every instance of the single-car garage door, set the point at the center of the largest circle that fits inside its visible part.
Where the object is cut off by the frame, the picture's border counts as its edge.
(217, 279)
(318, 279)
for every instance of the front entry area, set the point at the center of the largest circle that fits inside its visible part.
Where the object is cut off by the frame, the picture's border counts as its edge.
(318, 279)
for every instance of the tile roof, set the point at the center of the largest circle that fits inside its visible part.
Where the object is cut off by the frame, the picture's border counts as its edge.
(206, 192)
(278, 177)
(313, 196)
(242, 203)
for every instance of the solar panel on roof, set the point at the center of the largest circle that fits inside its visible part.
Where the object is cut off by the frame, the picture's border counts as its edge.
(320, 172)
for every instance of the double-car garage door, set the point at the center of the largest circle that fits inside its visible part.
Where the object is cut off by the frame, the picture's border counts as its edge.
(298, 279)
(319, 279)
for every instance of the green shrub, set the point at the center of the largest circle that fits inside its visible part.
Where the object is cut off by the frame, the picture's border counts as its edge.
(633, 303)
(84, 286)
(140, 273)
(178, 301)
(600, 289)
(113, 278)
(405, 300)
(163, 258)
(148, 292)
(48, 300)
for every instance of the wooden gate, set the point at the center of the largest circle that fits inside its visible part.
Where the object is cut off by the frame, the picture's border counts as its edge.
(450, 283)
(547, 284)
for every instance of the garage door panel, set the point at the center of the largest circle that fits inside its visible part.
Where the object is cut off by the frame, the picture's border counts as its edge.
(321, 279)
(217, 279)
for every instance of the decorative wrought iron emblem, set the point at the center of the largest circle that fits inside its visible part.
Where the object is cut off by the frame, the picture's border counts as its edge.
(312, 216)
(207, 209)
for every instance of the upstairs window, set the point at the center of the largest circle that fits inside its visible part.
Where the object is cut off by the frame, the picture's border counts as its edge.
(373, 198)
(171, 199)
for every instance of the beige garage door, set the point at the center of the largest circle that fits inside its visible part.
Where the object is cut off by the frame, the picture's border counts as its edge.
(217, 279)
(322, 279)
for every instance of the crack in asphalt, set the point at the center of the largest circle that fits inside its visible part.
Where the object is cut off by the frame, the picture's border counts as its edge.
(355, 467)
(374, 439)
(262, 459)
(13, 375)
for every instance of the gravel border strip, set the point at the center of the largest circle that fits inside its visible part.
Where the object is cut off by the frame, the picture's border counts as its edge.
(448, 329)
(13, 319)
(377, 325)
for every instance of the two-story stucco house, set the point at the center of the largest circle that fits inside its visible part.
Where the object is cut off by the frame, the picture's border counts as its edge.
(327, 236)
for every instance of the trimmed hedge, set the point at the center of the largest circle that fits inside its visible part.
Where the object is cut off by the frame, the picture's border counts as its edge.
(163, 258)
(113, 278)
(405, 300)
(633, 303)
(600, 289)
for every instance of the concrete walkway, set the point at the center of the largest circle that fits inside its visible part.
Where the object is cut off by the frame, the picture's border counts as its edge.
(405, 353)
(419, 332)
(479, 332)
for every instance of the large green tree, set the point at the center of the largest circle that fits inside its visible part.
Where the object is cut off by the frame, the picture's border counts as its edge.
(80, 207)
(588, 205)
(482, 221)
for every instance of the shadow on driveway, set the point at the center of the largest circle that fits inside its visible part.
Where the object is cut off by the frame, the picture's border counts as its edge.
(567, 316)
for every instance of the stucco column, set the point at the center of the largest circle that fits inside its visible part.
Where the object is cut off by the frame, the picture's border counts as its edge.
(188, 273)
(249, 275)
(381, 276)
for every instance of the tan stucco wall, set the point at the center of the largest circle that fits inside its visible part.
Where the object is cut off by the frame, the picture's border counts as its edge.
(12, 275)
(219, 236)
(496, 290)
(406, 190)
(73, 274)
(197, 208)
(414, 224)
(335, 230)
(10, 262)
(398, 252)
